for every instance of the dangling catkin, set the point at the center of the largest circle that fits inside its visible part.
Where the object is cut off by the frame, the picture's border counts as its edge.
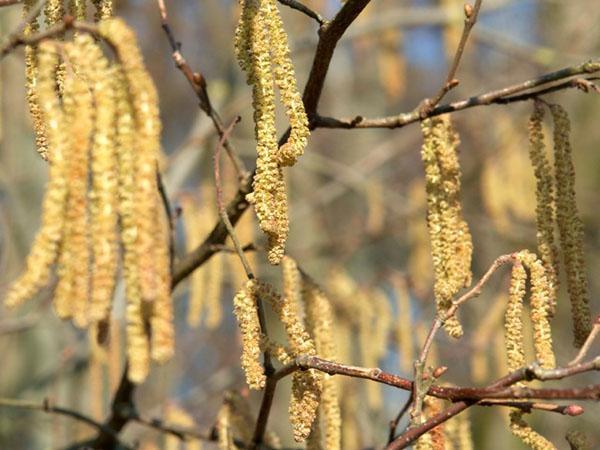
(541, 292)
(513, 319)
(260, 44)
(319, 323)
(570, 226)
(72, 294)
(528, 435)
(449, 234)
(245, 309)
(547, 249)
(44, 250)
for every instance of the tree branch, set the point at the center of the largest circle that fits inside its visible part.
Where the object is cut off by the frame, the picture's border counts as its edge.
(526, 89)
(295, 4)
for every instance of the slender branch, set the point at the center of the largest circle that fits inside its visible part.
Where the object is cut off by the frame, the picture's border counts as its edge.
(585, 348)
(169, 213)
(47, 407)
(471, 14)
(499, 96)
(295, 4)
(198, 83)
(9, 2)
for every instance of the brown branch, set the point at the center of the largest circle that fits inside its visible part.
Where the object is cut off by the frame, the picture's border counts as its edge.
(198, 83)
(585, 348)
(527, 90)
(47, 407)
(471, 13)
(295, 4)
(9, 2)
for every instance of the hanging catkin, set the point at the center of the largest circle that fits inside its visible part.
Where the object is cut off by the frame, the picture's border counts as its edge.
(544, 200)
(102, 134)
(570, 226)
(262, 52)
(451, 244)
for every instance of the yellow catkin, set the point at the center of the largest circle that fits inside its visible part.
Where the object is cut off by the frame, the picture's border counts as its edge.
(306, 385)
(458, 432)
(541, 292)
(449, 234)
(43, 252)
(391, 64)
(104, 9)
(138, 349)
(513, 319)
(103, 194)
(434, 439)
(319, 322)
(570, 226)
(524, 432)
(31, 75)
(285, 79)
(403, 326)
(114, 355)
(150, 225)
(72, 294)
(260, 43)
(54, 12)
(314, 441)
(175, 415)
(578, 440)
(547, 249)
(245, 309)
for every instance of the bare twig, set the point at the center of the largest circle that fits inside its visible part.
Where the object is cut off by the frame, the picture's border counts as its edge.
(9, 2)
(471, 13)
(527, 90)
(295, 4)
(198, 84)
(585, 348)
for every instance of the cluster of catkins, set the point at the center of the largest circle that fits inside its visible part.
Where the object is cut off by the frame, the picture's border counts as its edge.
(263, 53)
(313, 394)
(557, 207)
(100, 126)
(541, 305)
(451, 245)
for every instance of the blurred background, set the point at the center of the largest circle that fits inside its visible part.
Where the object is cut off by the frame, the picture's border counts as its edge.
(357, 214)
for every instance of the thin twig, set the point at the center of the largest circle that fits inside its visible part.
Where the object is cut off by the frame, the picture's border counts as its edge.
(499, 96)
(198, 83)
(295, 4)
(585, 348)
(221, 205)
(471, 13)
(47, 407)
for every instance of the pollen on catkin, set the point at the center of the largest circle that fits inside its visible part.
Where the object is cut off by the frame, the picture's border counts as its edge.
(513, 319)
(541, 292)
(102, 131)
(319, 323)
(44, 250)
(528, 435)
(262, 52)
(245, 309)
(545, 213)
(570, 226)
(449, 234)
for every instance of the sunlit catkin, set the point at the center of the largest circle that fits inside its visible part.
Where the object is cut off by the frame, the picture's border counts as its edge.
(175, 415)
(104, 9)
(31, 75)
(451, 244)
(72, 294)
(547, 249)
(319, 322)
(44, 250)
(103, 194)
(570, 226)
(513, 319)
(541, 292)
(262, 52)
(245, 309)
(523, 431)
